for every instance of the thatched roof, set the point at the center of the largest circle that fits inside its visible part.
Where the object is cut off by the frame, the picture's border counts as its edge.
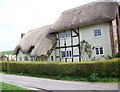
(92, 13)
(37, 42)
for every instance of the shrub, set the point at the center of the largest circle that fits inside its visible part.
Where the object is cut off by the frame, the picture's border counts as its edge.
(106, 68)
(117, 55)
(93, 77)
(4, 65)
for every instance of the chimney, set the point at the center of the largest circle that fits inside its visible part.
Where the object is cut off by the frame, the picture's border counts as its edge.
(22, 35)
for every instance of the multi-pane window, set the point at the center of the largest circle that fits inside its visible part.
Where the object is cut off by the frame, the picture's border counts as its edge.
(25, 58)
(67, 34)
(20, 58)
(66, 54)
(99, 50)
(51, 58)
(63, 54)
(64, 35)
(97, 32)
(69, 54)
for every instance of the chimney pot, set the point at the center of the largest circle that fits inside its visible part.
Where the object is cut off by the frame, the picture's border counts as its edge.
(22, 35)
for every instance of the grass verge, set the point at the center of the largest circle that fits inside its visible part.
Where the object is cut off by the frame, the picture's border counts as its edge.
(71, 78)
(5, 87)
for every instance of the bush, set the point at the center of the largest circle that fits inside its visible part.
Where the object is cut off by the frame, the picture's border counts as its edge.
(117, 55)
(106, 68)
(93, 77)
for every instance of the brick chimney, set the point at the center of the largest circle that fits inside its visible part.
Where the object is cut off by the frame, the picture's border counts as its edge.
(22, 35)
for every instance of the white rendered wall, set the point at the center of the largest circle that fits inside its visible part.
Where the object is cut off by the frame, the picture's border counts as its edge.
(20, 54)
(87, 33)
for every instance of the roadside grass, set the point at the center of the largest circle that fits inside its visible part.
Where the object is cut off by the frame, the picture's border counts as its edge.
(74, 78)
(5, 87)
(70, 78)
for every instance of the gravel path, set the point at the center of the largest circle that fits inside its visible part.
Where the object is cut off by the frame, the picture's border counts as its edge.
(49, 84)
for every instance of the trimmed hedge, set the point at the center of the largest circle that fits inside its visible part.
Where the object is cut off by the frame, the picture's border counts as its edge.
(106, 68)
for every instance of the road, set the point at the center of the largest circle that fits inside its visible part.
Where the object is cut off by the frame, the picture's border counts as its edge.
(49, 84)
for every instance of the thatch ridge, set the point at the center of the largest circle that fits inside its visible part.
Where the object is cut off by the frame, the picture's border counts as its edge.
(37, 38)
(92, 13)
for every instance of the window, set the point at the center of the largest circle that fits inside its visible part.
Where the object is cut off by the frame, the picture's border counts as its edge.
(20, 58)
(32, 58)
(66, 54)
(69, 54)
(63, 54)
(99, 50)
(25, 58)
(51, 58)
(68, 34)
(97, 32)
(64, 35)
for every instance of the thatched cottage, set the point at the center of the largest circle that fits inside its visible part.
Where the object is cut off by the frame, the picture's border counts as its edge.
(96, 24)
(35, 43)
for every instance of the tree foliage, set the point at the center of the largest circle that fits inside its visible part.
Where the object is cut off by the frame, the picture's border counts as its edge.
(86, 50)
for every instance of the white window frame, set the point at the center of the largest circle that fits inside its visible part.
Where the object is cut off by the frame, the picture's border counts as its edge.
(20, 59)
(64, 35)
(67, 54)
(97, 30)
(52, 58)
(60, 37)
(99, 51)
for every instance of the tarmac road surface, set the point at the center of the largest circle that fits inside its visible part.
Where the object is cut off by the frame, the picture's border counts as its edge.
(44, 85)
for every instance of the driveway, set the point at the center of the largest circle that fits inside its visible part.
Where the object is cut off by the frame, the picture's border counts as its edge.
(49, 84)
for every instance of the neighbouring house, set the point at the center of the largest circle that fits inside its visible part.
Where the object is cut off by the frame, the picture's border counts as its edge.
(35, 44)
(10, 57)
(96, 23)
(3, 57)
(7, 56)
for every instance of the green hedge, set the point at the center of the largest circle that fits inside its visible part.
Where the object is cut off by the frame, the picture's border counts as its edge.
(106, 68)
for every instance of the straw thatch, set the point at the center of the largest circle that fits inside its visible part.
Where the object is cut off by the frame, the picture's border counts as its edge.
(88, 14)
(37, 42)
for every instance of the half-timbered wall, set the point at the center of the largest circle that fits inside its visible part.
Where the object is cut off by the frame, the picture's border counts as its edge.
(77, 35)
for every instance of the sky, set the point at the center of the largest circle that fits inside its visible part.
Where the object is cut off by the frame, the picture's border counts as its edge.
(20, 16)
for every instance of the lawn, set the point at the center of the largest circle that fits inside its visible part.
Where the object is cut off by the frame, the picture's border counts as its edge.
(4, 87)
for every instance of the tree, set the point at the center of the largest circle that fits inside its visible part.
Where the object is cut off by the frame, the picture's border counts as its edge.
(86, 50)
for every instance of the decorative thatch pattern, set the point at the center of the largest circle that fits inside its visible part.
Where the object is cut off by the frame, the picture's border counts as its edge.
(38, 40)
(88, 14)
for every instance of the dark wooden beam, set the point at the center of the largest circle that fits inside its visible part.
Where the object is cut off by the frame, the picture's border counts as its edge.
(65, 49)
(67, 46)
(75, 31)
(59, 46)
(72, 45)
(79, 46)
